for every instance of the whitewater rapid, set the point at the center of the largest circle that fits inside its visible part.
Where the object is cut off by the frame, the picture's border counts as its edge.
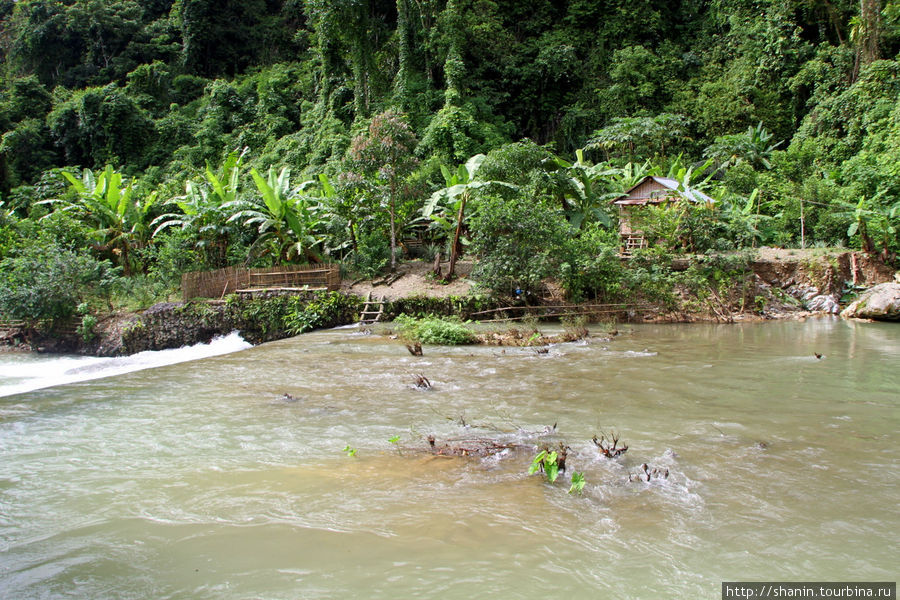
(20, 373)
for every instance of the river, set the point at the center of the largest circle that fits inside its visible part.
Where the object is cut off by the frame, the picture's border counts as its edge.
(227, 476)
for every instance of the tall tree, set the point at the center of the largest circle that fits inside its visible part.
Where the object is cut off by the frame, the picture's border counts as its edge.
(385, 155)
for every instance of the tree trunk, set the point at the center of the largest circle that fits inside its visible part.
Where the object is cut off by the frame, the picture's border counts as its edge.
(454, 253)
(868, 35)
(870, 14)
(393, 236)
(353, 237)
(802, 226)
(403, 54)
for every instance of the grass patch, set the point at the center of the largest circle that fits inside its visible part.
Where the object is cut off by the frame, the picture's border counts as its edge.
(434, 330)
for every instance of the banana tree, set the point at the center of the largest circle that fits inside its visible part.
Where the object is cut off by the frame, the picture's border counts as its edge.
(745, 222)
(343, 205)
(632, 173)
(285, 221)
(202, 209)
(688, 177)
(451, 199)
(120, 217)
(585, 190)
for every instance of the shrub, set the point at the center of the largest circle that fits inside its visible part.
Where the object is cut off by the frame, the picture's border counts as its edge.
(327, 309)
(520, 242)
(49, 283)
(373, 253)
(593, 269)
(433, 330)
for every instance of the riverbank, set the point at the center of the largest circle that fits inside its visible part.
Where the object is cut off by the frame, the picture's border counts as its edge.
(770, 284)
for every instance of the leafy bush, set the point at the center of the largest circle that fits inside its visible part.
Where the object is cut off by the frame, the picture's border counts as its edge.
(433, 330)
(593, 269)
(521, 242)
(328, 309)
(49, 283)
(271, 318)
(373, 253)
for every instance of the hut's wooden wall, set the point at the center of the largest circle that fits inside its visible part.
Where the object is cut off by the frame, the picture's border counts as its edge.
(650, 191)
(215, 284)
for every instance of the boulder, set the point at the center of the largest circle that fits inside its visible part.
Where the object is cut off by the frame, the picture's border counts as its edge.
(814, 300)
(881, 302)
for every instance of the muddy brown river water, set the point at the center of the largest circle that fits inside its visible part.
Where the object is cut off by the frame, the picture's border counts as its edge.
(204, 479)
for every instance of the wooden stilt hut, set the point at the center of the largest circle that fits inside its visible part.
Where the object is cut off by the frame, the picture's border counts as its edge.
(650, 190)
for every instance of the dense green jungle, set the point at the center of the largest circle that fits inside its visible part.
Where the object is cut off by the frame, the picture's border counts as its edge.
(142, 139)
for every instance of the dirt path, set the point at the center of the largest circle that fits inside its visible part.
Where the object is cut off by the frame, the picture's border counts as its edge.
(416, 280)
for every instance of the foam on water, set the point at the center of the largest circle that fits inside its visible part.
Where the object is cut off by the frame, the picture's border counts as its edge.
(25, 373)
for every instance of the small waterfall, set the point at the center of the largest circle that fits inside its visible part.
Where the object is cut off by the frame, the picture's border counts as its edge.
(21, 373)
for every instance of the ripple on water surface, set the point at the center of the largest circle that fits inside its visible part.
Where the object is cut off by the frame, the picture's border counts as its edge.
(226, 477)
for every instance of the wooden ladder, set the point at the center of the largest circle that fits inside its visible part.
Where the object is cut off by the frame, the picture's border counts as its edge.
(372, 310)
(634, 241)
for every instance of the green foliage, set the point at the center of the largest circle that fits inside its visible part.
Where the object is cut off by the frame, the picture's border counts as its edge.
(520, 242)
(719, 279)
(545, 462)
(384, 155)
(351, 452)
(327, 309)
(586, 191)
(446, 207)
(421, 306)
(682, 226)
(577, 483)
(49, 282)
(286, 222)
(636, 137)
(204, 210)
(98, 126)
(164, 87)
(753, 146)
(592, 268)
(434, 330)
(265, 319)
(121, 217)
(456, 132)
(516, 163)
(373, 253)
(86, 327)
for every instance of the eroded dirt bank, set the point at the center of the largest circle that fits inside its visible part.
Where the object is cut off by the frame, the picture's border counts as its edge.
(779, 284)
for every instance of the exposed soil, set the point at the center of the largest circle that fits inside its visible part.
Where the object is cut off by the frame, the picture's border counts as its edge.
(788, 283)
(416, 279)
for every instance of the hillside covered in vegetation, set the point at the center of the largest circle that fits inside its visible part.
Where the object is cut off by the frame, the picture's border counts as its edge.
(144, 138)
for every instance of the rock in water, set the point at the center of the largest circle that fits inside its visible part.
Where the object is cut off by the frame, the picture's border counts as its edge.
(881, 302)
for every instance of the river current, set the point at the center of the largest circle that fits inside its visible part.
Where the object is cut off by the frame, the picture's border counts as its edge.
(235, 476)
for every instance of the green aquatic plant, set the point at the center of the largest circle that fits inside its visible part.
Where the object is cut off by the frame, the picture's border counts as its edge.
(546, 463)
(577, 483)
(351, 452)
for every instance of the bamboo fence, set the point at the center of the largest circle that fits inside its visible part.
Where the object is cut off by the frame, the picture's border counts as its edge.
(6, 323)
(219, 283)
